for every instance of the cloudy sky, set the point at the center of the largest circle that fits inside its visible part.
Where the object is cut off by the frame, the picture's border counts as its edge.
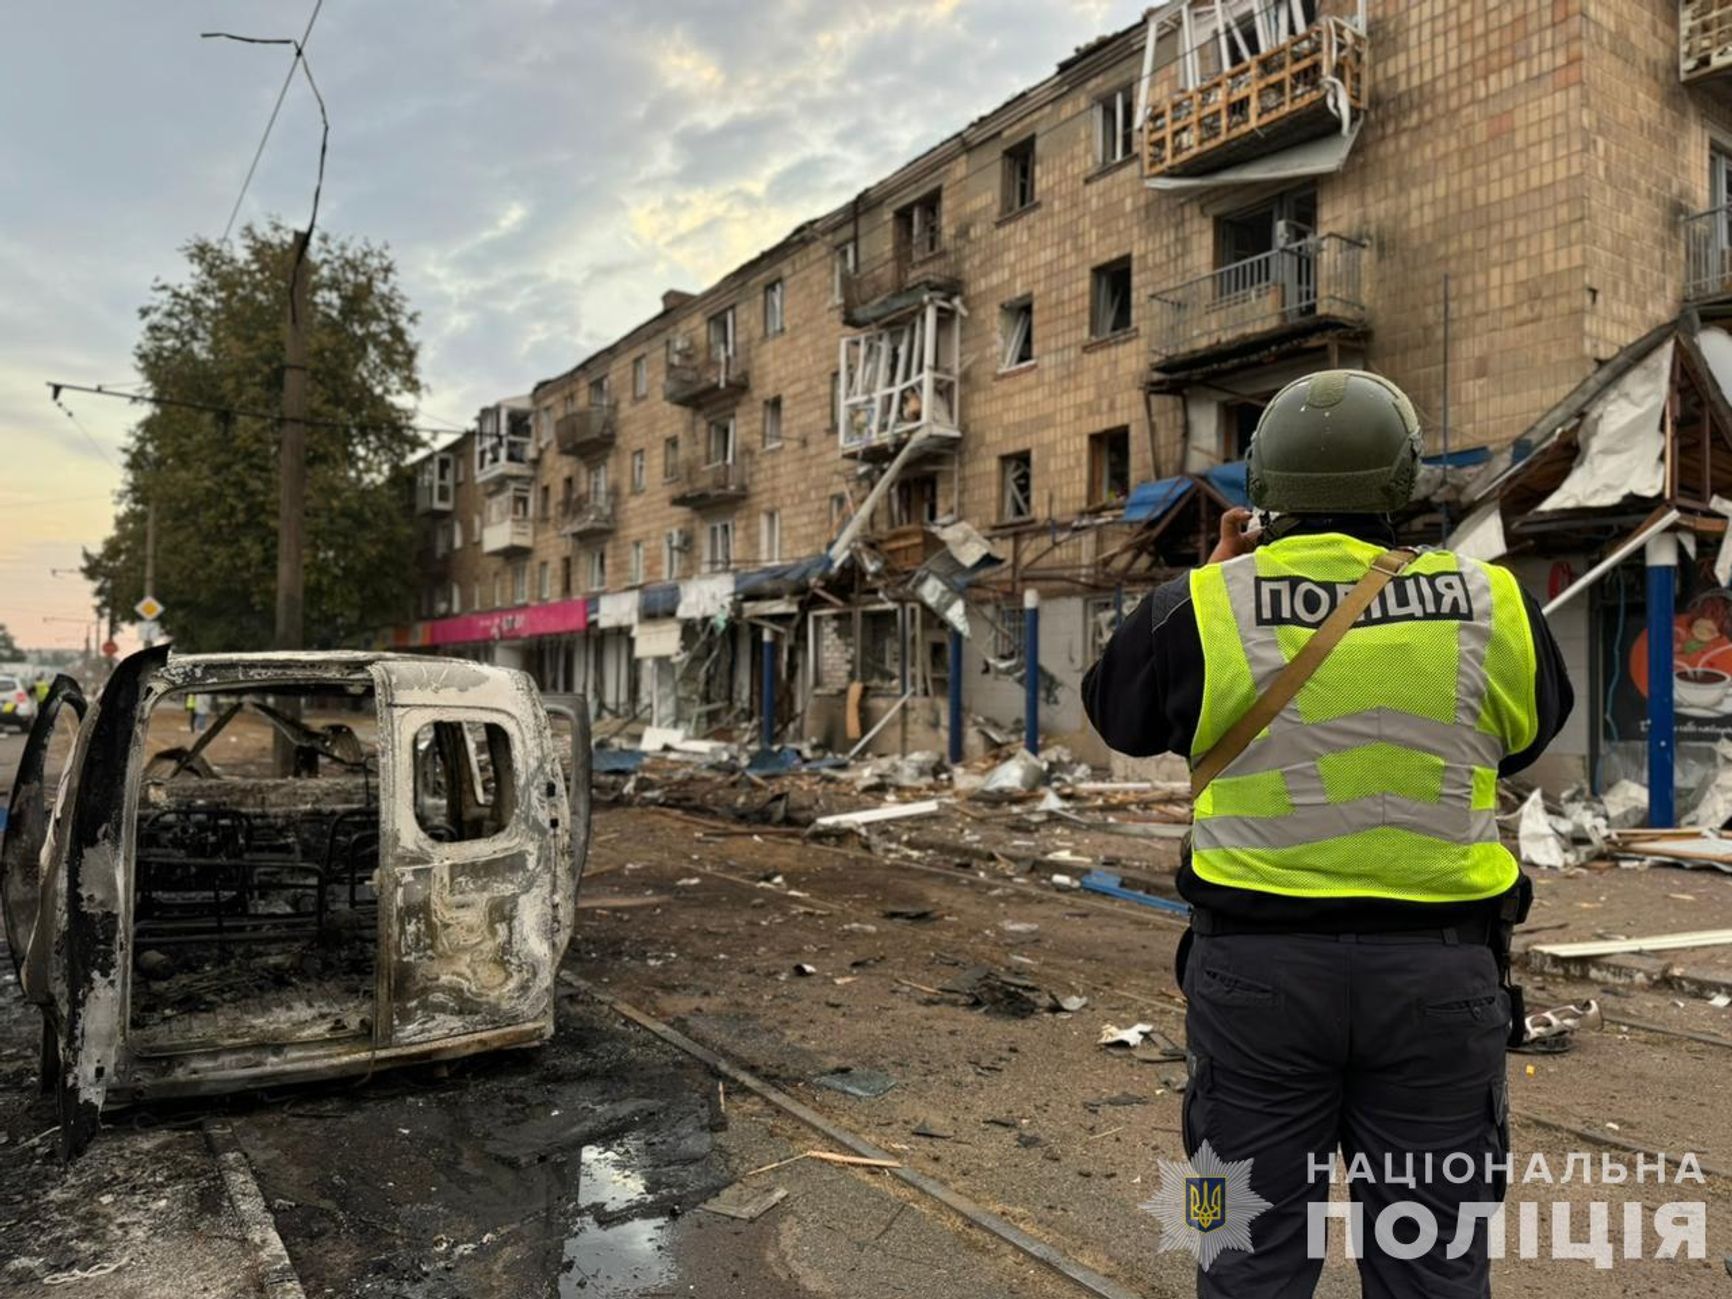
(542, 170)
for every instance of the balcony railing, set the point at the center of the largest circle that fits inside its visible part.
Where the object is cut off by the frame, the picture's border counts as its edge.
(1708, 254)
(587, 516)
(586, 430)
(872, 293)
(507, 536)
(1305, 87)
(703, 482)
(1704, 39)
(716, 375)
(1310, 283)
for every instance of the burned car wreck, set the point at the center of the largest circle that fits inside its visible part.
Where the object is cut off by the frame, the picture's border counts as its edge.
(353, 861)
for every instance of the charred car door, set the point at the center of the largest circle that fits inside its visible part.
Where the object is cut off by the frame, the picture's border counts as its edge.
(473, 832)
(28, 818)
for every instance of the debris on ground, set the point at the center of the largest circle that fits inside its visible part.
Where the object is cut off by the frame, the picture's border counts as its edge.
(862, 1084)
(1113, 1035)
(745, 1203)
(1021, 772)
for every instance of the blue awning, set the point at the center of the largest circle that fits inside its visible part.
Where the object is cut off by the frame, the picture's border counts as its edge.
(1150, 501)
(658, 600)
(782, 579)
(1229, 481)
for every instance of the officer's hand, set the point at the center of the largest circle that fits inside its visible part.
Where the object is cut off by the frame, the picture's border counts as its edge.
(1238, 536)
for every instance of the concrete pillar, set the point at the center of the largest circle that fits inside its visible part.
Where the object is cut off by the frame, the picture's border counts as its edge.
(1031, 670)
(1662, 559)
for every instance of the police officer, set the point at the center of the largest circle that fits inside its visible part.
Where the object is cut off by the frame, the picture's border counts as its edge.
(1346, 966)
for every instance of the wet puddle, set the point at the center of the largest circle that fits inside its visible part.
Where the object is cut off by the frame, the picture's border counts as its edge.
(628, 1258)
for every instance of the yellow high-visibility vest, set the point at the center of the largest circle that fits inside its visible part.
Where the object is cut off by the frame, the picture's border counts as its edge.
(1379, 778)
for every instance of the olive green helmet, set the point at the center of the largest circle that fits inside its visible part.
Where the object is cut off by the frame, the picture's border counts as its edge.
(1335, 442)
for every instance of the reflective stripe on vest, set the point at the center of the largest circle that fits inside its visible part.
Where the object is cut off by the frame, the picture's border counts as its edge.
(1379, 777)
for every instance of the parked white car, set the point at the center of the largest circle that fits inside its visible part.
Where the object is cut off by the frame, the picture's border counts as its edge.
(17, 703)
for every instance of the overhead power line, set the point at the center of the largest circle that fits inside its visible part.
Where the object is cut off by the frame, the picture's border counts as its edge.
(231, 412)
(288, 80)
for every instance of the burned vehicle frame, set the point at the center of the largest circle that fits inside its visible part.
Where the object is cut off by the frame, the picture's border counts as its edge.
(187, 929)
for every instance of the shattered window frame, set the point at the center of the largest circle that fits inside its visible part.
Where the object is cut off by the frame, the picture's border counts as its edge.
(1016, 333)
(1109, 465)
(1016, 487)
(1115, 125)
(772, 423)
(1111, 301)
(1019, 177)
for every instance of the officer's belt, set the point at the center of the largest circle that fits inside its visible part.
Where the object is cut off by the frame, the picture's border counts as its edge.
(1469, 933)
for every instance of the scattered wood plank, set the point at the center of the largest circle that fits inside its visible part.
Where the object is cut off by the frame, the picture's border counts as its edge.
(605, 903)
(1630, 946)
(825, 1156)
(889, 812)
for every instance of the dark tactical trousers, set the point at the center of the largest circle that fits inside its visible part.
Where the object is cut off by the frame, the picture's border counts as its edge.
(1381, 1044)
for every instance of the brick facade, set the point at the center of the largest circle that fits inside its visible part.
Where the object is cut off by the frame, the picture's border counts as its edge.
(1539, 155)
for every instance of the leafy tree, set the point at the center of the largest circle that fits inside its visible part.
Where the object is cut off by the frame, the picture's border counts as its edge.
(8, 647)
(216, 338)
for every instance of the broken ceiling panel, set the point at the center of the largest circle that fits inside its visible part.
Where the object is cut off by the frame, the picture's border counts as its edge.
(1621, 446)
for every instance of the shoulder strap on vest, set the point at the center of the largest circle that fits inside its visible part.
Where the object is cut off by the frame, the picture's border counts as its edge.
(1299, 669)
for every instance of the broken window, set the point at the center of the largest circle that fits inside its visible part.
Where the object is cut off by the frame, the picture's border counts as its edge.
(772, 423)
(1238, 424)
(1018, 176)
(1101, 618)
(1110, 297)
(843, 263)
(1268, 246)
(254, 913)
(640, 378)
(1115, 127)
(1016, 486)
(720, 334)
(719, 446)
(914, 500)
(719, 550)
(775, 295)
(1016, 333)
(918, 227)
(465, 781)
(1008, 636)
(770, 536)
(600, 391)
(1109, 466)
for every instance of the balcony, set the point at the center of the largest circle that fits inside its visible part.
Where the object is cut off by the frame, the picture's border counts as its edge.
(507, 537)
(1708, 254)
(719, 375)
(1704, 39)
(435, 487)
(874, 294)
(587, 430)
(703, 482)
(1312, 286)
(900, 380)
(587, 516)
(1307, 86)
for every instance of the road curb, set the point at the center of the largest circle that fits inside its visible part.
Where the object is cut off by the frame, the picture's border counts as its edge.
(276, 1272)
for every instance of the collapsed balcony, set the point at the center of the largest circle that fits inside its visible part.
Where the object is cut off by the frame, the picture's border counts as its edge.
(900, 379)
(898, 284)
(720, 374)
(587, 516)
(586, 430)
(703, 482)
(1308, 286)
(1704, 39)
(1308, 85)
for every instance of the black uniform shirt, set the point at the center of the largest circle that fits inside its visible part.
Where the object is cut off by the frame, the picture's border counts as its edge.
(1145, 696)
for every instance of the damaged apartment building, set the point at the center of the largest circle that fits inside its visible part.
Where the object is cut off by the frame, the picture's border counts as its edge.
(1024, 368)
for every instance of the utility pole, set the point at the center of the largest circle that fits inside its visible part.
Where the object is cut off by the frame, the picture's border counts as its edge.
(150, 560)
(292, 477)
